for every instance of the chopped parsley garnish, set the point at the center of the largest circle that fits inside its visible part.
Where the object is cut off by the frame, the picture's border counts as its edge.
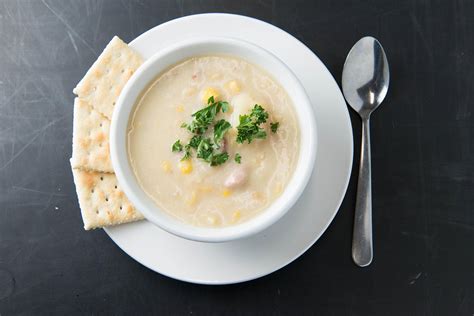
(220, 128)
(194, 142)
(187, 153)
(205, 151)
(204, 117)
(259, 114)
(237, 158)
(249, 125)
(274, 126)
(207, 147)
(177, 147)
(219, 159)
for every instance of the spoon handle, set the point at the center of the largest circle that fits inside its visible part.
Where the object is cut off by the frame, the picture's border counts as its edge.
(362, 250)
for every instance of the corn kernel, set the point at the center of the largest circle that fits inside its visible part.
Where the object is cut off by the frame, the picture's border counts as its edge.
(180, 108)
(192, 199)
(185, 166)
(236, 216)
(209, 92)
(233, 87)
(226, 192)
(166, 166)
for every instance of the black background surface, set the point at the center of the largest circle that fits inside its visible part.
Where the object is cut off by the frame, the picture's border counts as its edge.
(422, 160)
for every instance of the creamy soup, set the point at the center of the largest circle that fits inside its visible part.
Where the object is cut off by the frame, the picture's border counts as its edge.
(193, 189)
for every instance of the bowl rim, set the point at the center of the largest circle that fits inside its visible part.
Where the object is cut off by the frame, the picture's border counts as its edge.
(146, 74)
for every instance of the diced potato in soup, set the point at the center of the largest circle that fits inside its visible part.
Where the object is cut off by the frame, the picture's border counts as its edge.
(193, 190)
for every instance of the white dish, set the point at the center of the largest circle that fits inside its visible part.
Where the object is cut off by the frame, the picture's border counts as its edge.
(172, 55)
(286, 240)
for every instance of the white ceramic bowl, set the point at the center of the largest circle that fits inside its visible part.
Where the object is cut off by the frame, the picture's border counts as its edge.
(172, 55)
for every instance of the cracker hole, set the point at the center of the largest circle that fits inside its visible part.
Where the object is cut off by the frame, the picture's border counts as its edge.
(101, 178)
(113, 103)
(97, 211)
(106, 199)
(100, 124)
(92, 191)
(120, 206)
(116, 187)
(122, 71)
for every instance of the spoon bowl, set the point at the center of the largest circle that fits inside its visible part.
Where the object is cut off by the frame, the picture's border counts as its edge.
(366, 76)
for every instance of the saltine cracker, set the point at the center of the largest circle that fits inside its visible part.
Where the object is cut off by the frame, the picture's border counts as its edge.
(102, 201)
(103, 82)
(90, 140)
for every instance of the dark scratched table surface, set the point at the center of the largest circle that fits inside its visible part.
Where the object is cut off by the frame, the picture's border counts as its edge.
(422, 160)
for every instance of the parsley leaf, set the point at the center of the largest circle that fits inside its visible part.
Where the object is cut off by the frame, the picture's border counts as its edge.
(259, 114)
(223, 105)
(194, 142)
(205, 149)
(249, 125)
(219, 159)
(220, 128)
(274, 126)
(177, 147)
(237, 158)
(204, 117)
(187, 153)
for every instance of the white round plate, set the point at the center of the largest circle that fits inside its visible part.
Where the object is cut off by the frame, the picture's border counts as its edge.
(291, 236)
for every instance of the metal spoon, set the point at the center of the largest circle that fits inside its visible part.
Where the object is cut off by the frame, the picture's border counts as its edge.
(365, 79)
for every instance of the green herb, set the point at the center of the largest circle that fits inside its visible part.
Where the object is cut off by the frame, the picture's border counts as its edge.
(205, 149)
(220, 128)
(187, 153)
(249, 125)
(237, 158)
(259, 114)
(177, 147)
(194, 142)
(221, 105)
(219, 159)
(249, 129)
(274, 126)
(204, 117)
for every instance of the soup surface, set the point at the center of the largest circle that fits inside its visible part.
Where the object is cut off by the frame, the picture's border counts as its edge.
(191, 188)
